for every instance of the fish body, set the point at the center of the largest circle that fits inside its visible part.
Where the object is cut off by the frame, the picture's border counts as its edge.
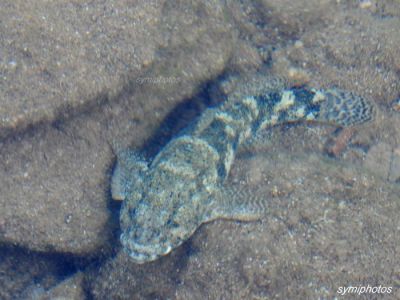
(167, 199)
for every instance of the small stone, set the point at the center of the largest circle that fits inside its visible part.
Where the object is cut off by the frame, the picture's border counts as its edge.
(365, 4)
(298, 76)
(396, 105)
(298, 44)
(12, 65)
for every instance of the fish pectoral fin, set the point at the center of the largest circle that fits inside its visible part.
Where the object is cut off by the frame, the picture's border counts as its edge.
(128, 174)
(237, 203)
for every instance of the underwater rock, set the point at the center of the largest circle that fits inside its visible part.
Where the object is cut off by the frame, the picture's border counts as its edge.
(54, 177)
(61, 57)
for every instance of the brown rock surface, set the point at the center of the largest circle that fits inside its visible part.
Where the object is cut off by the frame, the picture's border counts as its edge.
(55, 177)
(355, 49)
(66, 54)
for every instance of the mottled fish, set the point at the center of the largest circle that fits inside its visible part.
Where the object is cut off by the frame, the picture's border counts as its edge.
(167, 199)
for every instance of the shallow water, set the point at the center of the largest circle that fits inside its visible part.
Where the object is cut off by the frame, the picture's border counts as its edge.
(81, 82)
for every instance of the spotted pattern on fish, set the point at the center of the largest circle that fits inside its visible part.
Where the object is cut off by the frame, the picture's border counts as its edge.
(167, 199)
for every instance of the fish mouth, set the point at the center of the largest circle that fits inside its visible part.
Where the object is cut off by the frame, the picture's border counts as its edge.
(143, 253)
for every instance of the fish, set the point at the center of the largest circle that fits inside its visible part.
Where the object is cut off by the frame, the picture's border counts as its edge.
(185, 185)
